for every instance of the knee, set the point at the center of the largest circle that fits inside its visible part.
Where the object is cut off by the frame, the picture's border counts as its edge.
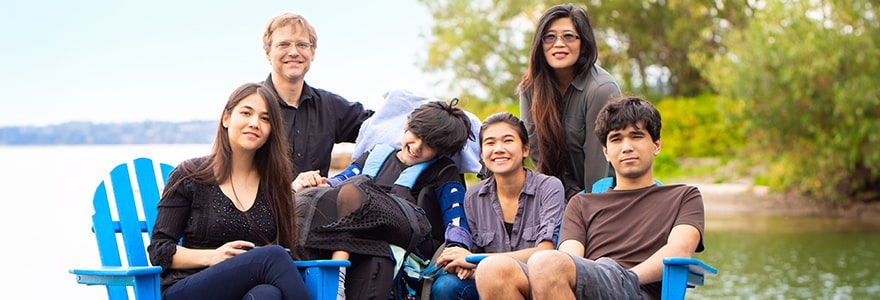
(549, 262)
(445, 282)
(446, 286)
(348, 200)
(276, 250)
(495, 267)
(550, 269)
(274, 253)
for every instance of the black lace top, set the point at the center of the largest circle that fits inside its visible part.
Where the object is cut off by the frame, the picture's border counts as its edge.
(205, 218)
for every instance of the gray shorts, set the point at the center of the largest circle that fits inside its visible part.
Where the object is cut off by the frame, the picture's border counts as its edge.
(605, 279)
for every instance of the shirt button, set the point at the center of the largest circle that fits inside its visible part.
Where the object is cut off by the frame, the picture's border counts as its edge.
(299, 155)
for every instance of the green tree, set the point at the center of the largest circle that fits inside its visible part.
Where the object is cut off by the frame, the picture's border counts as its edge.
(648, 43)
(484, 44)
(807, 72)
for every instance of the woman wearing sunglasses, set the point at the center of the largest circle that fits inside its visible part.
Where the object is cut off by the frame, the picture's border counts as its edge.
(560, 95)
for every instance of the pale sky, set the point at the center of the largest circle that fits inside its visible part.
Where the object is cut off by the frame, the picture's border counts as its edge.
(119, 61)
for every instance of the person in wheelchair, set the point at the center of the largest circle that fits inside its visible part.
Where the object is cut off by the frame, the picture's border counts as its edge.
(344, 217)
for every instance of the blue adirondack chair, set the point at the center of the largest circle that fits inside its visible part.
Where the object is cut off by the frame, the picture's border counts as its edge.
(679, 273)
(127, 210)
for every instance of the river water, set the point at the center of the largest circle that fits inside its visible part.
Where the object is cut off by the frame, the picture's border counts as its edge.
(791, 258)
(45, 221)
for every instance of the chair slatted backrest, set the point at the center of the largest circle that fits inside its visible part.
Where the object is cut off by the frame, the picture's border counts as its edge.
(116, 213)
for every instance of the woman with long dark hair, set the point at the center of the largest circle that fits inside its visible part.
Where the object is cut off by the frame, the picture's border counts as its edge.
(561, 94)
(225, 219)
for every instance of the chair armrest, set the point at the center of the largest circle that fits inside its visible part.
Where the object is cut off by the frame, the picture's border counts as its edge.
(694, 265)
(322, 263)
(681, 273)
(321, 276)
(145, 280)
(118, 271)
(475, 258)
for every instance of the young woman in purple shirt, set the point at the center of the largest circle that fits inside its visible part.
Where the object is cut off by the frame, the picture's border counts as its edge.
(514, 212)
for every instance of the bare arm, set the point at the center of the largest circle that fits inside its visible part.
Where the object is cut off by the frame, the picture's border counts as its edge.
(572, 247)
(682, 242)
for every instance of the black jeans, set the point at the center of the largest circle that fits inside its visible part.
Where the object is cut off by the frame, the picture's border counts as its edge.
(262, 273)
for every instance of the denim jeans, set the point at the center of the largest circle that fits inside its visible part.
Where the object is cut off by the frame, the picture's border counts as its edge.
(261, 273)
(448, 286)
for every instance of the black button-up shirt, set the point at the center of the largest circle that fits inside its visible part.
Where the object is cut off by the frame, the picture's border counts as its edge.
(321, 120)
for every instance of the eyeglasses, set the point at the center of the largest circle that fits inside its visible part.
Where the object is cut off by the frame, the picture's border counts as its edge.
(285, 45)
(551, 38)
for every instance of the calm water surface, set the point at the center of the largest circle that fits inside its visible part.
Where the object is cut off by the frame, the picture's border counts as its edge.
(791, 258)
(46, 213)
(45, 221)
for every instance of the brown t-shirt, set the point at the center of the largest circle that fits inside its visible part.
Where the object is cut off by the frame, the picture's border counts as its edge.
(629, 226)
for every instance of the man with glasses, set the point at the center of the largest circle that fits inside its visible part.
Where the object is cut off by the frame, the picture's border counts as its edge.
(315, 119)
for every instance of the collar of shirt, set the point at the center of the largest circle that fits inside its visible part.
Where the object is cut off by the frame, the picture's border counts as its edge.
(529, 186)
(307, 95)
(580, 81)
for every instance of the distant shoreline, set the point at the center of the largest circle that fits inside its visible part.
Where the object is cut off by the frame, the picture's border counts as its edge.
(130, 133)
(742, 200)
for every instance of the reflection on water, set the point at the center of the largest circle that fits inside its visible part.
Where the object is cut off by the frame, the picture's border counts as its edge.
(790, 258)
